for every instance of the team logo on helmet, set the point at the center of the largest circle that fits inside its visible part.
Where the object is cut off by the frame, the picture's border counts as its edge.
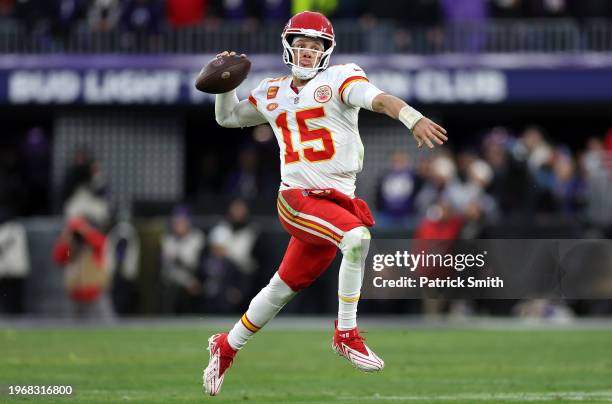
(323, 94)
(272, 106)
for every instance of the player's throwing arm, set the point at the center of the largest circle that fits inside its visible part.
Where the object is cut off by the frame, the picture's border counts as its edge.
(224, 73)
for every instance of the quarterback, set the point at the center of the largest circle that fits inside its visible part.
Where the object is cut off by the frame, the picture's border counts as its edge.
(313, 113)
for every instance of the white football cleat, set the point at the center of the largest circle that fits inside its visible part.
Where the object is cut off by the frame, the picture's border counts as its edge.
(221, 358)
(349, 344)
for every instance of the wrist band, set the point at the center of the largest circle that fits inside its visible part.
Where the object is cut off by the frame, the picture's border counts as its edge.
(409, 116)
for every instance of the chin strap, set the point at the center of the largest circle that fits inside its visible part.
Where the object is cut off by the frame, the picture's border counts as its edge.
(303, 73)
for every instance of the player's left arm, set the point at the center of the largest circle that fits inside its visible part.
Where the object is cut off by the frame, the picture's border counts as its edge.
(366, 95)
(423, 129)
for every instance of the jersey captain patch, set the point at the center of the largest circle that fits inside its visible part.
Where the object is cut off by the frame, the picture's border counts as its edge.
(323, 93)
(272, 91)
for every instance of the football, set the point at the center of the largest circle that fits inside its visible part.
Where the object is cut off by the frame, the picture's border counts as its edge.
(223, 74)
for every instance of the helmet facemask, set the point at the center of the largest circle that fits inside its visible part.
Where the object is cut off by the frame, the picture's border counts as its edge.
(321, 58)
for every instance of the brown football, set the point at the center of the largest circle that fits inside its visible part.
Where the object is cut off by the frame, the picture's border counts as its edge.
(223, 74)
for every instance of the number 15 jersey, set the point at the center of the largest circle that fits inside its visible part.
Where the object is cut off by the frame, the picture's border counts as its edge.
(316, 129)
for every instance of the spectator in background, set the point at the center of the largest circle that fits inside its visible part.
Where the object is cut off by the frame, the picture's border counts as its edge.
(470, 193)
(540, 162)
(378, 34)
(245, 11)
(276, 10)
(471, 201)
(231, 266)
(83, 172)
(66, 15)
(236, 236)
(103, 15)
(14, 266)
(460, 13)
(81, 245)
(597, 158)
(548, 8)
(185, 13)
(464, 10)
(80, 250)
(464, 160)
(440, 222)
(608, 142)
(596, 165)
(453, 209)
(465, 199)
(7, 8)
(141, 23)
(439, 172)
(182, 248)
(85, 190)
(396, 191)
(539, 151)
(592, 160)
(511, 186)
(567, 186)
(426, 16)
(325, 7)
(122, 254)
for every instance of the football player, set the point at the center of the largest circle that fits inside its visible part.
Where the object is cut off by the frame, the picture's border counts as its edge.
(313, 113)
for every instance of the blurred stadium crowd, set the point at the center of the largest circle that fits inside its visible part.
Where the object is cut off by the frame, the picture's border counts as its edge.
(188, 25)
(62, 16)
(510, 175)
(528, 173)
(213, 264)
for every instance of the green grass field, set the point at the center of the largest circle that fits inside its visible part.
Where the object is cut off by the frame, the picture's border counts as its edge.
(164, 365)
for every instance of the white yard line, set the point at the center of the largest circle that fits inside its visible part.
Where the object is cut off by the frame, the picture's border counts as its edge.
(601, 396)
(293, 322)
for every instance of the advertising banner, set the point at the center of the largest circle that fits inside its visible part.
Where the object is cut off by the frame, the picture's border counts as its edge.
(169, 79)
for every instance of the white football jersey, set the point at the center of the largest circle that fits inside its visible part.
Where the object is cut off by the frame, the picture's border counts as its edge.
(316, 130)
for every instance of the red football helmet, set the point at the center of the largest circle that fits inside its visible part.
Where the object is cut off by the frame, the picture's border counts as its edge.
(312, 25)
